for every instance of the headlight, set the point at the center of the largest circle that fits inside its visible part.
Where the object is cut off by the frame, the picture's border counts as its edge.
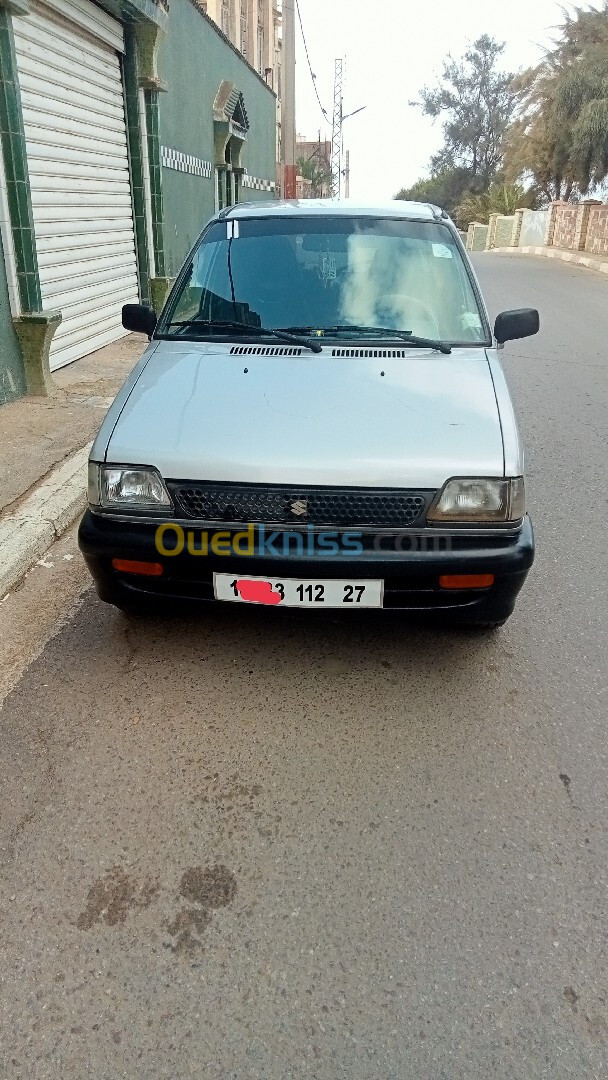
(478, 501)
(114, 487)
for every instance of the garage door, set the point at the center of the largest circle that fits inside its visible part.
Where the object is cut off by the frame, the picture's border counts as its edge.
(75, 131)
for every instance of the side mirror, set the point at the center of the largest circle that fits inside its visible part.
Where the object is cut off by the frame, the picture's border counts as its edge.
(511, 325)
(139, 318)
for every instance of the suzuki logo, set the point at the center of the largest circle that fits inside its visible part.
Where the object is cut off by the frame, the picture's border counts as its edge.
(299, 507)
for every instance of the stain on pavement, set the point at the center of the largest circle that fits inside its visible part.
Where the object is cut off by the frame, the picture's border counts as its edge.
(112, 897)
(210, 889)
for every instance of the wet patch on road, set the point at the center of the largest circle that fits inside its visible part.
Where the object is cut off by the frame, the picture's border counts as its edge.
(112, 897)
(187, 928)
(209, 888)
(567, 782)
(228, 799)
(227, 794)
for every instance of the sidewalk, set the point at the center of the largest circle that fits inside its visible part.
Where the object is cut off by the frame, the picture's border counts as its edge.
(43, 449)
(576, 258)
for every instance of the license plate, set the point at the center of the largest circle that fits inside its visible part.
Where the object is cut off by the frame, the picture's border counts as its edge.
(299, 592)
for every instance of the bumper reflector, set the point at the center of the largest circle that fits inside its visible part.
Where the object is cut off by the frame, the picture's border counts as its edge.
(131, 566)
(466, 581)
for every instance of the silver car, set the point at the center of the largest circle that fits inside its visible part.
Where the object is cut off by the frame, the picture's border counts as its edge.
(321, 420)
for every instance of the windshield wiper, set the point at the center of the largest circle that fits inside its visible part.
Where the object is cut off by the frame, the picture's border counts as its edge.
(258, 331)
(378, 331)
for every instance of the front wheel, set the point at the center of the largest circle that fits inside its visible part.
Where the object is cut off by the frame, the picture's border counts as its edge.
(482, 627)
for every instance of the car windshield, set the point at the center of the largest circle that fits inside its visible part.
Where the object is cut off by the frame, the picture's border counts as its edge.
(318, 274)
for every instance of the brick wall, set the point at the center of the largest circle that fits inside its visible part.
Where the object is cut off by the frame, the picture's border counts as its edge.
(566, 219)
(597, 231)
(574, 226)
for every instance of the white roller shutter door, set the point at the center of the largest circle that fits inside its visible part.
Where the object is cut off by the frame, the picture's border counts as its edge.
(75, 131)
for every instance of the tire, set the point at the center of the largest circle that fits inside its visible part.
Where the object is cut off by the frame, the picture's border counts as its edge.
(483, 627)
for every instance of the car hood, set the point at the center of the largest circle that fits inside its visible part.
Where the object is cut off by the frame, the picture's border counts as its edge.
(201, 412)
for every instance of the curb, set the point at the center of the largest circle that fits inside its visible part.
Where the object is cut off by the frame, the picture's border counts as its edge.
(553, 253)
(27, 532)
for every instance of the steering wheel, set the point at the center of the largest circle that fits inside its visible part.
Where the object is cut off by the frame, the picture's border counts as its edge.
(412, 306)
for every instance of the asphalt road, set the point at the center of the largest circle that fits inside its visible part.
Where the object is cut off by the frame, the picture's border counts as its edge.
(261, 846)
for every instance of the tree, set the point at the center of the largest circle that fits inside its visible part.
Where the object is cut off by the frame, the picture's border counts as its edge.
(560, 135)
(500, 198)
(477, 104)
(445, 189)
(312, 170)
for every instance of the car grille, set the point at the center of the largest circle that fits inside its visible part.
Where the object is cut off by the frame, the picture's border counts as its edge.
(335, 507)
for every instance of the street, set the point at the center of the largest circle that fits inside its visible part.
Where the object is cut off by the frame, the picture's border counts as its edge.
(261, 845)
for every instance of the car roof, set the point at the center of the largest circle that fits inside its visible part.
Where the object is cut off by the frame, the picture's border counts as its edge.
(332, 207)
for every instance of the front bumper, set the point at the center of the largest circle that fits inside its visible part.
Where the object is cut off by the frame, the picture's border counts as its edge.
(411, 576)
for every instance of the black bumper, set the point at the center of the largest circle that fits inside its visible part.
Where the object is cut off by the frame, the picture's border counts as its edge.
(411, 577)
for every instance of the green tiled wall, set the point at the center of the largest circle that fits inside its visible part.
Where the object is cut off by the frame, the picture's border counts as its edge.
(12, 140)
(12, 377)
(134, 138)
(156, 196)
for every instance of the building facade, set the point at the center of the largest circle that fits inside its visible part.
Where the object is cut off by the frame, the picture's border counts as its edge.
(313, 160)
(255, 28)
(122, 129)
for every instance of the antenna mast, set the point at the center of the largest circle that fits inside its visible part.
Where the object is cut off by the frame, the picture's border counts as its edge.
(336, 135)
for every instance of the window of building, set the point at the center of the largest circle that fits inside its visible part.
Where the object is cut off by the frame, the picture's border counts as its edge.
(244, 28)
(226, 18)
(277, 64)
(261, 49)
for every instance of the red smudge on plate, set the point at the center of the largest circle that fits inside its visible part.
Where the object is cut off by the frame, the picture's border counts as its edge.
(258, 592)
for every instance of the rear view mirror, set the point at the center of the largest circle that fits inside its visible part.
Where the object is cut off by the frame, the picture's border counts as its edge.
(334, 242)
(511, 325)
(139, 318)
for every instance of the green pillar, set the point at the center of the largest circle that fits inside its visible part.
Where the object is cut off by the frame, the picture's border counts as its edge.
(40, 325)
(136, 161)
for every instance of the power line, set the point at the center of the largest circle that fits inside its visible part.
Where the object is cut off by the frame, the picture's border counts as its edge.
(312, 74)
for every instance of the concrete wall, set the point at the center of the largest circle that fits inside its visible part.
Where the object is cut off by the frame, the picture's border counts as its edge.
(194, 59)
(12, 378)
(534, 228)
(477, 237)
(504, 231)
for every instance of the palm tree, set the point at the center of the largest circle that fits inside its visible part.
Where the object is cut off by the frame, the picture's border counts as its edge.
(560, 137)
(500, 198)
(319, 176)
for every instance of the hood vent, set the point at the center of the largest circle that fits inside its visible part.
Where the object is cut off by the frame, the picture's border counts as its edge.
(265, 350)
(376, 354)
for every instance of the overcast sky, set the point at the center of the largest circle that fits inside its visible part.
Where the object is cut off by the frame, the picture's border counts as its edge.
(392, 48)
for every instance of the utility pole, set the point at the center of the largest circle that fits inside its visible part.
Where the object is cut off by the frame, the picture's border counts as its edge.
(288, 104)
(336, 134)
(347, 175)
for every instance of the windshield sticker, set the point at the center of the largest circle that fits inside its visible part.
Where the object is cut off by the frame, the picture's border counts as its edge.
(442, 251)
(328, 268)
(469, 320)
